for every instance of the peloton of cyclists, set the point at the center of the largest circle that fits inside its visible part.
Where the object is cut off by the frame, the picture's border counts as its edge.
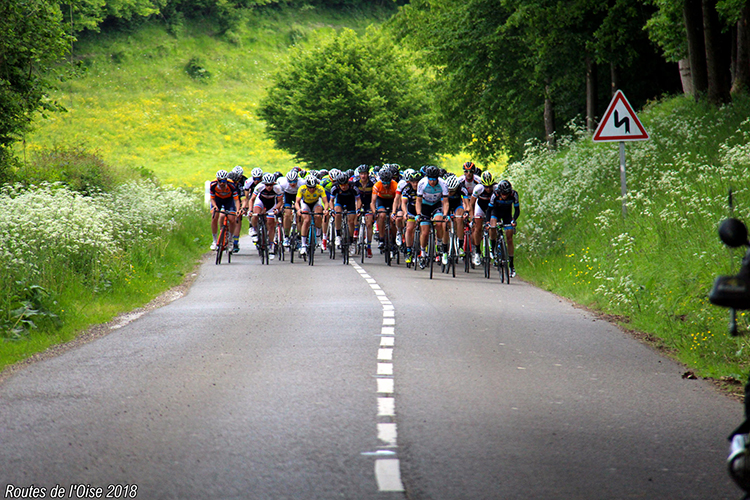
(418, 197)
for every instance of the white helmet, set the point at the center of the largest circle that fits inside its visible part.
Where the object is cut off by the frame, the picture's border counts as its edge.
(256, 173)
(292, 176)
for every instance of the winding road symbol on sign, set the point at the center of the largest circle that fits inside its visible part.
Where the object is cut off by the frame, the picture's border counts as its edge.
(617, 121)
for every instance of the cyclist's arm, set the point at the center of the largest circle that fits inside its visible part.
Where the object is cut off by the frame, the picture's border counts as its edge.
(472, 205)
(418, 205)
(446, 206)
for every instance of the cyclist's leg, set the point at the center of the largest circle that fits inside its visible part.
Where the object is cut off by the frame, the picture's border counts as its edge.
(215, 223)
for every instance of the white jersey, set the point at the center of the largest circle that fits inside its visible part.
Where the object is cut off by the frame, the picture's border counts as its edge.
(401, 185)
(432, 195)
(470, 185)
(287, 187)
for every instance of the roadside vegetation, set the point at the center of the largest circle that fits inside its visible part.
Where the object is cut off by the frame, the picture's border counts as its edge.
(652, 270)
(74, 254)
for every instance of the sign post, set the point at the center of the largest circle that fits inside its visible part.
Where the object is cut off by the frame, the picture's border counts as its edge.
(620, 124)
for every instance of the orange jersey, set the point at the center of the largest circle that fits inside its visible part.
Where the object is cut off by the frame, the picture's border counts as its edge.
(385, 192)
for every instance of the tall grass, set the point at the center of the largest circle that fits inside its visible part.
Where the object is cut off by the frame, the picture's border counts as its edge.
(652, 269)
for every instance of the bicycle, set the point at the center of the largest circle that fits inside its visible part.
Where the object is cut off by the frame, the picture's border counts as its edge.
(262, 243)
(362, 235)
(486, 251)
(450, 266)
(431, 247)
(279, 238)
(294, 237)
(467, 246)
(311, 240)
(388, 246)
(224, 239)
(502, 262)
(331, 236)
(345, 239)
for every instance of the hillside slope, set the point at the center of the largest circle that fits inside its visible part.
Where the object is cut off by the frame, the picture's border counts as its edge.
(182, 106)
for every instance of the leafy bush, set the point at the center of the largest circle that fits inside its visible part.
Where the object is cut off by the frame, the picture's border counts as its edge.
(76, 167)
(195, 69)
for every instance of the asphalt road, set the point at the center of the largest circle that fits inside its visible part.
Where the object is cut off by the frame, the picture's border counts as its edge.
(332, 381)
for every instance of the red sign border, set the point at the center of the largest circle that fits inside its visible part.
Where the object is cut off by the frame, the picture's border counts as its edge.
(619, 96)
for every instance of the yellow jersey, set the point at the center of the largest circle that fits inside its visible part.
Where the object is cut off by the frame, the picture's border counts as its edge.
(311, 196)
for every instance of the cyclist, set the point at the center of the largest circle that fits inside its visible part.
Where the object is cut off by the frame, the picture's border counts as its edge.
(311, 198)
(432, 203)
(408, 196)
(290, 186)
(383, 194)
(458, 207)
(470, 179)
(239, 179)
(344, 199)
(256, 176)
(364, 186)
(479, 203)
(223, 196)
(504, 207)
(267, 199)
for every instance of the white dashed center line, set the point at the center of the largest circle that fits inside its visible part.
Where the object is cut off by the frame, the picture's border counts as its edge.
(387, 465)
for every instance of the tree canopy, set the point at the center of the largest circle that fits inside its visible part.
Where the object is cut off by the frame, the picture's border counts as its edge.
(352, 100)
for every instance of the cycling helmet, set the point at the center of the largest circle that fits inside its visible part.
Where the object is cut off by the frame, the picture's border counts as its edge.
(342, 178)
(408, 172)
(238, 171)
(292, 176)
(277, 175)
(311, 181)
(452, 183)
(443, 173)
(414, 176)
(222, 175)
(432, 172)
(469, 166)
(350, 173)
(362, 169)
(269, 179)
(504, 187)
(256, 173)
(233, 176)
(334, 173)
(488, 179)
(324, 172)
(385, 175)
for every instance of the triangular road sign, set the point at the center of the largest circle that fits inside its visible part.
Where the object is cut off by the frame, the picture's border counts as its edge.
(620, 122)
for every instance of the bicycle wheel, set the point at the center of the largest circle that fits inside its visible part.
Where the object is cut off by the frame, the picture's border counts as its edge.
(228, 245)
(262, 239)
(486, 261)
(467, 251)
(505, 259)
(453, 253)
(431, 249)
(362, 239)
(292, 243)
(345, 240)
(280, 250)
(331, 239)
(387, 236)
(220, 244)
(311, 243)
(416, 248)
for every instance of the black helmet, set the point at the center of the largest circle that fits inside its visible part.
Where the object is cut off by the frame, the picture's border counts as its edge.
(342, 178)
(432, 172)
(385, 175)
(504, 187)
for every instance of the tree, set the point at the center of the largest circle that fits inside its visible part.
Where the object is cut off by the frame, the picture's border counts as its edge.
(352, 100)
(32, 39)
